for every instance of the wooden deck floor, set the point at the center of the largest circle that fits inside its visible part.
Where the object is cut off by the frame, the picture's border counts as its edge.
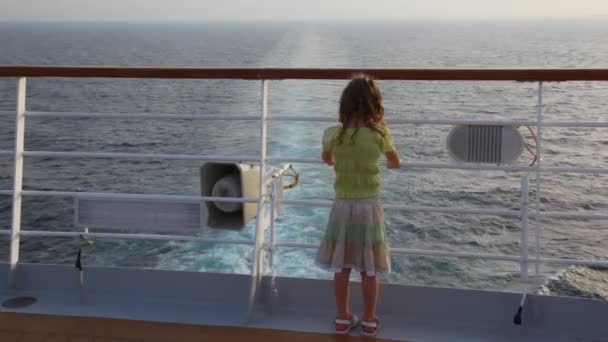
(42, 328)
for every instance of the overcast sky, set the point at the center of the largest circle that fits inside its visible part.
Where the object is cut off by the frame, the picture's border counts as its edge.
(296, 9)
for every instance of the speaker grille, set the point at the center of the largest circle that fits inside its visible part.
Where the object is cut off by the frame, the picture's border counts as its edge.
(484, 144)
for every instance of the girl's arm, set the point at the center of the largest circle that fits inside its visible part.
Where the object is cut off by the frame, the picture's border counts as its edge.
(388, 147)
(328, 158)
(328, 143)
(392, 159)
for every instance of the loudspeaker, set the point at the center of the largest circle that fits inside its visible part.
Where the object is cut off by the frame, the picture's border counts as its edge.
(230, 180)
(485, 144)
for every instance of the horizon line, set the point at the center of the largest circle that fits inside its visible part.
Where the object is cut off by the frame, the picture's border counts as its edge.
(286, 20)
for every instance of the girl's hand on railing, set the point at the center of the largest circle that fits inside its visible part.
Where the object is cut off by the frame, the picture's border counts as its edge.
(392, 160)
(328, 158)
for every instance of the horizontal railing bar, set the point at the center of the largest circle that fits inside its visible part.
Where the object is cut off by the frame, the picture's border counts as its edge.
(520, 122)
(590, 124)
(151, 197)
(332, 119)
(305, 73)
(106, 195)
(162, 116)
(562, 261)
(311, 203)
(294, 244)
(315, 203)
(328, 203)
(463, 255)
(570, 169)
(494, 212)
(7, 112)
(137, 196)
(134, 237)
(573, 215)
(142, 116)
(455, 166)
(252, 159)
(6, 153)
(418, 252)
(5, 232)
(484, 256)
(411, 121)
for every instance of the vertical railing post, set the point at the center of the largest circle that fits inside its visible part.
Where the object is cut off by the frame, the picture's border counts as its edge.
(272, 218)
(258, 253)
(272, 250)
(525, 202)
(17, 180)
(539, 154)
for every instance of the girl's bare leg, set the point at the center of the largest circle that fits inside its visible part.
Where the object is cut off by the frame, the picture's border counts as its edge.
(341, 280)
(369, 285)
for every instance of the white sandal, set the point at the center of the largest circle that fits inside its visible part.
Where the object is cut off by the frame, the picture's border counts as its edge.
(375, 325)
(351, 323)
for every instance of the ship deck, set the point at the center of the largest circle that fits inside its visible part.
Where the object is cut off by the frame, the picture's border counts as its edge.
(153, 305)
(15, 327)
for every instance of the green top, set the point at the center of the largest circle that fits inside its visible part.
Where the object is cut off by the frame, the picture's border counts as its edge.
(357, 168)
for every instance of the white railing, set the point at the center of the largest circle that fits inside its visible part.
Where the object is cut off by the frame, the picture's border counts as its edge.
(266, 197)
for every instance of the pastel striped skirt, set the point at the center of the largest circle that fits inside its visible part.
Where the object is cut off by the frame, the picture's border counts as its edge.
(355, 237)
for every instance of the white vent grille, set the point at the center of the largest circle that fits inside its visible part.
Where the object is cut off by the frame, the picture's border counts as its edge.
(485, 144)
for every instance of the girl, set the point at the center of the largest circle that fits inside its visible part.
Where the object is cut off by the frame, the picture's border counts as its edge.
(355, 235)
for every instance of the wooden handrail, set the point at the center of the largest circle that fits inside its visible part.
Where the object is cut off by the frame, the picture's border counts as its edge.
(524, 75)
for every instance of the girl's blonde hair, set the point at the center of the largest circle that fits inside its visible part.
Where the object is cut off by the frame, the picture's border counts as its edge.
(361, 103)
